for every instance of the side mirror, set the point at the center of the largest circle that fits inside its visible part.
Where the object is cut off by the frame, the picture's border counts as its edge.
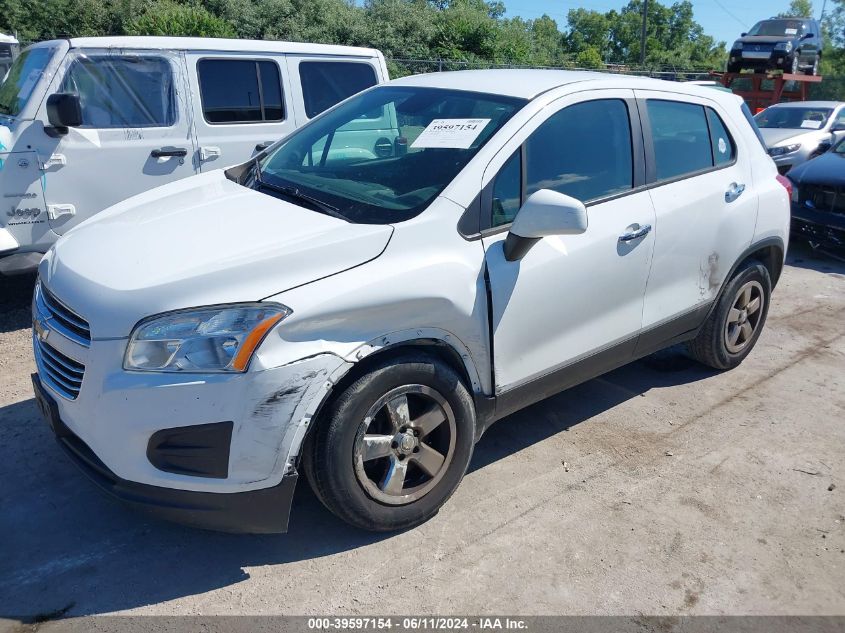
(63, 111)
(807, 36)
(545, 212)
(743, 34)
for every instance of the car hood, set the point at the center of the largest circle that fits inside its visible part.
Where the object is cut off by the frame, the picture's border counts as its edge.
(827, 169)
(200, 241)
(775, 136)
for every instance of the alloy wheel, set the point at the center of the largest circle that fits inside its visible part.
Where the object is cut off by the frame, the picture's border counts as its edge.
(744, 316)
(404, 445)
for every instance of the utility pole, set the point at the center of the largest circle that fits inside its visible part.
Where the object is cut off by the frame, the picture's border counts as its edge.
(642, 36)
(821, 17)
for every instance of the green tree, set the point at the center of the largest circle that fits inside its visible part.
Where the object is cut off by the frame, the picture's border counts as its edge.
(798, 8)
(166, 17)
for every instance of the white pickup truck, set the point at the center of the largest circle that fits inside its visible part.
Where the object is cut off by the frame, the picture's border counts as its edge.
(88, 122)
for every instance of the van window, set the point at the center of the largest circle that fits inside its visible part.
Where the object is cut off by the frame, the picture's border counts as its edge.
(119, 92)
(240, 90)
(507, 191)
(681, 138)
(22, 79)
(584, 151)
(326, 83)
(724, 150)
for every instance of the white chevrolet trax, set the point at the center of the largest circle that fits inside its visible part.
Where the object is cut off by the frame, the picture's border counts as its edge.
(363, 318)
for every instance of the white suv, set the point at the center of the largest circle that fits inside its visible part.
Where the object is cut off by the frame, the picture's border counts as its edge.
(364, 318)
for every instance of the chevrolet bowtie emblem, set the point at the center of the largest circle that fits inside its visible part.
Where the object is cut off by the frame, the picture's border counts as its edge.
(42, 330)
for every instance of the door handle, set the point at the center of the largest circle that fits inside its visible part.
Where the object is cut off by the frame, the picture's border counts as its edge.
(166, 152)
(635, 233)
(734, 192)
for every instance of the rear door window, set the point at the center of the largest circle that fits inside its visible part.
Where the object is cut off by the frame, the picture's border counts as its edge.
(240, 90)
(325, 84)
(122, 92)
(680, 137)
(724, 150)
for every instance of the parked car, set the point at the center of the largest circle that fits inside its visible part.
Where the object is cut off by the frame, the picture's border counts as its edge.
(85, 123)
(818, 199)
(801, 130)
(365, 318)
(9, 49)
(792, 45)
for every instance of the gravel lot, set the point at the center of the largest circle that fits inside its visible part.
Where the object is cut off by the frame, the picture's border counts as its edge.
(685, 491)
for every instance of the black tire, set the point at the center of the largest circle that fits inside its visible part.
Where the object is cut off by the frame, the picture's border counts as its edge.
(330, 461)
(734, 68)
(712, 345)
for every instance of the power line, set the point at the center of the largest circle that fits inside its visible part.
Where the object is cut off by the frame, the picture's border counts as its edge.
(725, 9)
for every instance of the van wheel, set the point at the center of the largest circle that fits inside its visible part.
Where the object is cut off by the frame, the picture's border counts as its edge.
(732, 329)
(394, 445)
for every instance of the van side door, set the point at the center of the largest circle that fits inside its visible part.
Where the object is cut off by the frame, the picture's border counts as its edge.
(135, 133)
(241, 105)
(700, 182)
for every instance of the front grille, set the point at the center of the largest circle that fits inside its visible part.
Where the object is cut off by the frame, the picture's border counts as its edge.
(823, 198)
(62, 318)
(64, 375)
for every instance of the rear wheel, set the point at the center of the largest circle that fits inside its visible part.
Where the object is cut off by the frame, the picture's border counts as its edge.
(732, 329)
(394, 445)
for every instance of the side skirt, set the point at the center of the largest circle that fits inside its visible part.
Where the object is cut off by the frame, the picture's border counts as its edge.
(675, 330)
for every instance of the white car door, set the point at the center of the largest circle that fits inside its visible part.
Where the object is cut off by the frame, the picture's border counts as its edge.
(135, 132)
(570, 297)
(704, 200)
(243, 104)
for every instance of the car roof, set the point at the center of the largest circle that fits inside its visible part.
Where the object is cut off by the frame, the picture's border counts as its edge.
(528, 83)
(808, 104)
(219, 45)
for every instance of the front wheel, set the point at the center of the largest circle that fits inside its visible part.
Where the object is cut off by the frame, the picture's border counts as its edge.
(394, 445)
(734, 325)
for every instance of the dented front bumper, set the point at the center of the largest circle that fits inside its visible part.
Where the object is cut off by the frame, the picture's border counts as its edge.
(206, 442)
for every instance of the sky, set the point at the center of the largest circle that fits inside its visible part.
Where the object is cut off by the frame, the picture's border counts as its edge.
(723, 19)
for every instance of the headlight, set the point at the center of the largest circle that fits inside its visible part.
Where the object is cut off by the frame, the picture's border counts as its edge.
(783, 46)
(737, 46)
(213, 339)
(784, 149)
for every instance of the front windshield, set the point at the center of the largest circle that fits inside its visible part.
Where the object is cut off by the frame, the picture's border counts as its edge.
(839, 148)
(22, 79)
(776, 28)
(385, 154)
(793, 117)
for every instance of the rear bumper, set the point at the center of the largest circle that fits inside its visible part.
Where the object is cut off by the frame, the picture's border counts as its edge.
(255, 511)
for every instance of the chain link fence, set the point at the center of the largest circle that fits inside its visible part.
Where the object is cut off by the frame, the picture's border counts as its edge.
(400, 67)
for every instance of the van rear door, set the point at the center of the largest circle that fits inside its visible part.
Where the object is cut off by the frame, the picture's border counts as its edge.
(242, 104)
(135, 135)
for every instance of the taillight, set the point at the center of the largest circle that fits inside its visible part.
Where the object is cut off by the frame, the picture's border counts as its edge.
(787, 183)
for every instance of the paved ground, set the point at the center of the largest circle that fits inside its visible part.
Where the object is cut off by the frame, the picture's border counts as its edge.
(686, 491)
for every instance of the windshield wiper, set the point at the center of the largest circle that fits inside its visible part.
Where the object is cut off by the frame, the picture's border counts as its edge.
(296, 194)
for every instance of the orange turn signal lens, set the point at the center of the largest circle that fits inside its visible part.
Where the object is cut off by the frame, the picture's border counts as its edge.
(253, 339)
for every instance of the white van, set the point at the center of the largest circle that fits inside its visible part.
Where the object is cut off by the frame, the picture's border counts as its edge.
(86, 123)
(9, 49)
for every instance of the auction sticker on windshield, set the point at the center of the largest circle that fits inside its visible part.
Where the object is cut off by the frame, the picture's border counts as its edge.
(813, 125)
(450, 133)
